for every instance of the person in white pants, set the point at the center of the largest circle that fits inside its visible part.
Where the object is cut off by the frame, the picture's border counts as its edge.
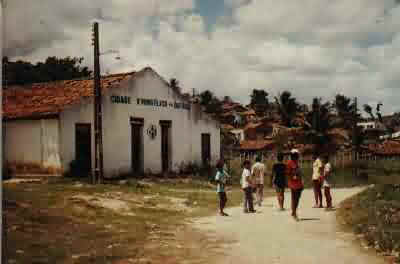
(258, 173)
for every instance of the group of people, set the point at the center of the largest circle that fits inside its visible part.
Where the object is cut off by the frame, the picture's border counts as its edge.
(284, 175)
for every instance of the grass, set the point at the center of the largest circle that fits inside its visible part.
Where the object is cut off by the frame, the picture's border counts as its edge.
(375, 213)
(46, 226)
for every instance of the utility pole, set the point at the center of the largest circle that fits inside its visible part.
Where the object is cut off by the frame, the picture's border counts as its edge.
(355, 138)
(98, 145)
(3, 74)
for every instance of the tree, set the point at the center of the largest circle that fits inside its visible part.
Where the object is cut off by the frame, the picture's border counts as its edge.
(215, 106)
(287, 107)
(320, 119)
(206, 97)
(174, 83)
(259, 100)
(378, 112)
(52, 69)
(368, 110)
(345, 109)
(227, 99)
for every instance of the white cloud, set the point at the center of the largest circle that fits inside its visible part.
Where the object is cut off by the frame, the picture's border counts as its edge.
(311, 47)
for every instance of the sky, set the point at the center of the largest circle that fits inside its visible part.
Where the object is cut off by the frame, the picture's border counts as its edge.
(312, 48)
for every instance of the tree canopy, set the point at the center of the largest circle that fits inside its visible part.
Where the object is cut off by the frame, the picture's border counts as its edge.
(346, 110)
(259, 100)
(320, 119)
(211, 102)
(52, 69)
(287, 107)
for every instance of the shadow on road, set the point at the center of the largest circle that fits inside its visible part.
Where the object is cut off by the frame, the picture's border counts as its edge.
(309, 219)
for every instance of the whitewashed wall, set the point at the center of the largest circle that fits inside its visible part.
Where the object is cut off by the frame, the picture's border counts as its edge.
(187, 126)
(82, 113)
(33, 142)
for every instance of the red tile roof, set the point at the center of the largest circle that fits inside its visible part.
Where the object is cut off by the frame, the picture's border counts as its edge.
(252, 125)
(389, 147)
(227, 127)
(249, 112)
(44, 99)
(256, 144)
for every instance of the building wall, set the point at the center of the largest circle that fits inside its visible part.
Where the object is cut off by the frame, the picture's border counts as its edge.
(239, 133)
(68, 119)
(32, 142)
(186, 129)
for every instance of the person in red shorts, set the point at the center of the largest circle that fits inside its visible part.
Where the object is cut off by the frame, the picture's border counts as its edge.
(295, 182)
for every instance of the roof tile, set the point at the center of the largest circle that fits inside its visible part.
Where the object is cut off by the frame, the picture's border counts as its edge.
(50, 98)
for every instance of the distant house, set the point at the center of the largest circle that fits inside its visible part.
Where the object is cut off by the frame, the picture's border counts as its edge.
(232, 118)
(239, 133)
(258, 131)
(231, 106)
(371, 125)
(250, 146)
(339, 136)
(389, 148)
(249, 115)
(395, 135)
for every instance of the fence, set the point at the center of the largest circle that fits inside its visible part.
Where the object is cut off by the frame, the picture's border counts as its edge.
(339, 160)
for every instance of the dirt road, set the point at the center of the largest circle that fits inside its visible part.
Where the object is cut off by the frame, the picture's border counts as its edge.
(271, 236)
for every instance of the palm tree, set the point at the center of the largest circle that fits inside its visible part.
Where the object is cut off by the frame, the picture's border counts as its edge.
(287, 107)
(206, 97)
(320, 119)
(174, 83)
(368, 110)
(259, 101)
(345, 109)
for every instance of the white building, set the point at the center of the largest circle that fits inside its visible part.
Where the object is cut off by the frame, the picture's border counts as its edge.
(371, 125)
(239, 133)
(147, 125)
(393, 136)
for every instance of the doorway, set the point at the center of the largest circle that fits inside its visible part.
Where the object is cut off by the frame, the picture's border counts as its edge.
(83, 149)
(205, 149)
(165, 145)
(137, 145)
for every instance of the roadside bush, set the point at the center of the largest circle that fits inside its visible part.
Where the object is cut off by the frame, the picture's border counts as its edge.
(375, 213)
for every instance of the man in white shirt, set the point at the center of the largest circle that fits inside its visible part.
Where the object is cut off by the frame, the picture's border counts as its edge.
(316, 179)
(247, 187)
(326, 182)
(258, 174)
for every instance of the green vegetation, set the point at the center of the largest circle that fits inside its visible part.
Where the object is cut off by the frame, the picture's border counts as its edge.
(375, 214)
(52, 69)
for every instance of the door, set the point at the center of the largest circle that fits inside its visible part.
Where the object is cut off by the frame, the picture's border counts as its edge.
(83, 149)
(137, 145)
(205, 149)
(165, 145)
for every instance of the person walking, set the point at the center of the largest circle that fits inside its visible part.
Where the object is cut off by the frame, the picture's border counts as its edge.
(295, 181)
(279, 180)
(326, 182)
(258, 174)
(247, 187)
(220, 179)
(316, 179)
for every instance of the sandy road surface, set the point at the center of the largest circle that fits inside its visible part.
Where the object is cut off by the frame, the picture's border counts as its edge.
(271, 236)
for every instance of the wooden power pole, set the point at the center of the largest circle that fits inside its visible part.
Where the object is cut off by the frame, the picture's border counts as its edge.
(355, 138)
(98, 143)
